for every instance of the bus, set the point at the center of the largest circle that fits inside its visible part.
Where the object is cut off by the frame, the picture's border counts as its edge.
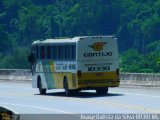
(75, 64)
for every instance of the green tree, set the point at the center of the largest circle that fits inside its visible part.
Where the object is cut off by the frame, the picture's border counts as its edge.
(129, 61)
(5, 43)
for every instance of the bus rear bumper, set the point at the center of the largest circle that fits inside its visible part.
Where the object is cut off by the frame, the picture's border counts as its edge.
(90, 85)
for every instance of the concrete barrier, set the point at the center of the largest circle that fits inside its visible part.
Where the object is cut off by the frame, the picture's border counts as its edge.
(16, 75)
(140, 79)
(127, 79)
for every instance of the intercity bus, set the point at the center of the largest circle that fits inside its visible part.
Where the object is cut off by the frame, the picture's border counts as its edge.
(74, 64)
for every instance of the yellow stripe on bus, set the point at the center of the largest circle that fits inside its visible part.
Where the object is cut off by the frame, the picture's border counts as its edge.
(51, 63)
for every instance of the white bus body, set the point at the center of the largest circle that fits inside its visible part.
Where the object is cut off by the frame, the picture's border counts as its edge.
(89, 62)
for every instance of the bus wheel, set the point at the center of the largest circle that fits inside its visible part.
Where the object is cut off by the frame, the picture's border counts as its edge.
(102, 91)
(67, 91)
(42, 91)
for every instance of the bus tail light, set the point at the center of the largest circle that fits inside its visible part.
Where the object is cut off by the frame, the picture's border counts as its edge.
(79, 73)
(117, 73)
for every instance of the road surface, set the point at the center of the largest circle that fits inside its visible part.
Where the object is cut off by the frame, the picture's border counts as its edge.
(23, 99)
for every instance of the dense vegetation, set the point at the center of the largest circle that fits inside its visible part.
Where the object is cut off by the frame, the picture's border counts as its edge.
(136, 24)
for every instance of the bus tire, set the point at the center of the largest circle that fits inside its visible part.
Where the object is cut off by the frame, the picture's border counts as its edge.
(66, 88)
(42, 91)
(102, 91)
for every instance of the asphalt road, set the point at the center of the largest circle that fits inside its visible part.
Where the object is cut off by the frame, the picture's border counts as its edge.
(23, 99)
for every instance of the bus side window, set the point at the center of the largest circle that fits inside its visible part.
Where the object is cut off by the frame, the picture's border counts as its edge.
(48, 52)
(42, 48)
(63, 53)
(55, 52)
(59, 52)
(66, 52)
(73, 52)
(70, 52)
(37, 52)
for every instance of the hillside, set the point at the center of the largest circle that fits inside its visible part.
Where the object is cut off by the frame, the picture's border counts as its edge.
(135, 23)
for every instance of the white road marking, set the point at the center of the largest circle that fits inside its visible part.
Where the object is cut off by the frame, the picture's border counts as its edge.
(37, 107)
(153, 96)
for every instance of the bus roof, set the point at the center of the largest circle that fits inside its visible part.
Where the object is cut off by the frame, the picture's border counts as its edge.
(67, 40)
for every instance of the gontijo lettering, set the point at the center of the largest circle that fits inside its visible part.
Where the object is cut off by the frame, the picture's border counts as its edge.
(98, 46)
(98, 54)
